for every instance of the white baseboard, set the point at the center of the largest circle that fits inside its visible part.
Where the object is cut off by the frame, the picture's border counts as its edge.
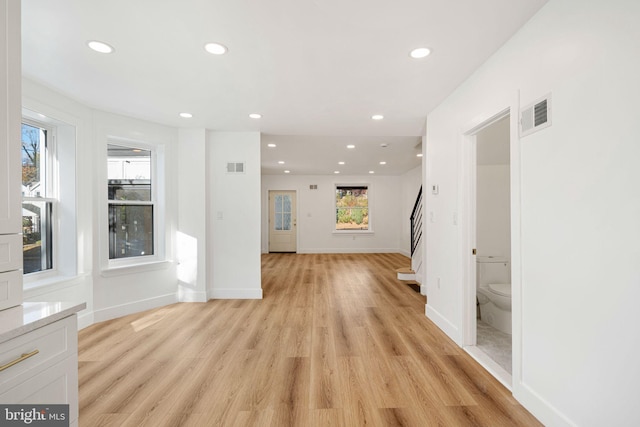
(186, 294)
(405, 253)
(231, 293)
(546, 413)
(85, 319)
(349, 251)
(133, 307)
(443, 323)
(423, 290)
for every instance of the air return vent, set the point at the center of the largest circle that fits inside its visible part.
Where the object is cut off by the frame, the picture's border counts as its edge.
(235, 167)
(535, 116)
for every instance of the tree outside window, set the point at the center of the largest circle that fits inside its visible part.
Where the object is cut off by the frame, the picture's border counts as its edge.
(37, 198)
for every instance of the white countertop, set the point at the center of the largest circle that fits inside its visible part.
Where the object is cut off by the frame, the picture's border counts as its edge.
(25, 318)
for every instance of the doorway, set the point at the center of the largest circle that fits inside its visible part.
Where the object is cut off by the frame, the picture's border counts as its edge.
(488, 266)
(282, 221)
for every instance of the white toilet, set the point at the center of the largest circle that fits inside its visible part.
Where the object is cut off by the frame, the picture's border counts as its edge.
(494, 291)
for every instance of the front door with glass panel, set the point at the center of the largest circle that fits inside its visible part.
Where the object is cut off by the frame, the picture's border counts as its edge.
(282, 221)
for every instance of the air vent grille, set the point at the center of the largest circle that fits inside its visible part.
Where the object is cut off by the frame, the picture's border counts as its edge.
(535, 116)
(540, 113)
(235, 167)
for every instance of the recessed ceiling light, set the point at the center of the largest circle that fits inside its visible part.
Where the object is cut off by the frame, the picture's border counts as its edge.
(419, 155)
(281, 162)
(255, 115)
(384, 145)
(420, 52)
(377, 117)
(271, 145)
(351, 146)
(215, 48)
(383, 163)
(186, 115)
(371, 172)
(100, 47)
(336, 171)
(287, 171)
(341, 163)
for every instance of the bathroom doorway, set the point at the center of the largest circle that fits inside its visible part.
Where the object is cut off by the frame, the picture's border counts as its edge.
(493, 243)
(488, 332)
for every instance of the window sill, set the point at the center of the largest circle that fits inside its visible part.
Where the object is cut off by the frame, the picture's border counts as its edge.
(135, 268)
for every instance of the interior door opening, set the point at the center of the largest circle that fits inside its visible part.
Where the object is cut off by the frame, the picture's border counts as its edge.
(282, 221)
(489, 315)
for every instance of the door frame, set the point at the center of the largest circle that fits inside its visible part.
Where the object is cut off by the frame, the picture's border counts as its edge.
(269, 190)
(467, 233)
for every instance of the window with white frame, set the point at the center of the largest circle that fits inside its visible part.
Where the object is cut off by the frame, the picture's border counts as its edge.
(132, 201)
(39, 196)
(352, 208)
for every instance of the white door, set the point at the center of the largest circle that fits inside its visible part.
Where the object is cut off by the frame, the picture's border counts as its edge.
(282, 221)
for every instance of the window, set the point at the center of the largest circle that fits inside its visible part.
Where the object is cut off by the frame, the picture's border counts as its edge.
(38, 197)
(352, 207)
(131, 202)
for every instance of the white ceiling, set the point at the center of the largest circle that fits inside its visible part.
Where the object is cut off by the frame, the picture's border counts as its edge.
(315, 69)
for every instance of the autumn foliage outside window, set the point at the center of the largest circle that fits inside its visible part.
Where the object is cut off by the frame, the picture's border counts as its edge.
(352, 208)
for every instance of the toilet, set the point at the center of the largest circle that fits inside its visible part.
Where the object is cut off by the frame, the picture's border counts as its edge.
(494, 291)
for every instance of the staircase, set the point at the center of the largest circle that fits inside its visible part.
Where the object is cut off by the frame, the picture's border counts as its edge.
(413, 275)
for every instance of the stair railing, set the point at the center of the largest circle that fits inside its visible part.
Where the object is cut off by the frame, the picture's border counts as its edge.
(416, 222)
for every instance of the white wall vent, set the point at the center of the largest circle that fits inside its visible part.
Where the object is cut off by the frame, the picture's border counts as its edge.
(535, 116)
(313, 187)
(235, 167)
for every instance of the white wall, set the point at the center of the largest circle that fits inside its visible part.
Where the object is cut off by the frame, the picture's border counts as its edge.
(493, 210)
(107, 293)
(130, 289)
(577, 276)
(316, 213)
(191, 241)
(69, 287)
(234, 232)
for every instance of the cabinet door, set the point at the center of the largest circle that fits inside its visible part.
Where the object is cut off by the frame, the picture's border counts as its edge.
(10, 289)
(10, 118)
(57, 384)
(10, 252)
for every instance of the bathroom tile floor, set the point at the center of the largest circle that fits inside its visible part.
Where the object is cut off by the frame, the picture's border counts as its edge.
(496, 344)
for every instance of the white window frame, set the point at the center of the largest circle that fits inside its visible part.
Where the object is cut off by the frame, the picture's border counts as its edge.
(114, 266)
(52, 193)
(369, 207)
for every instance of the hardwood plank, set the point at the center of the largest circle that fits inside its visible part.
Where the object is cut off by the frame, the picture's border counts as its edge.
(324, 371)
(336, 341)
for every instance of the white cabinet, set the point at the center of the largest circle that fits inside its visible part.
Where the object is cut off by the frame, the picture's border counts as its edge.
(49, 374)
(10, 165)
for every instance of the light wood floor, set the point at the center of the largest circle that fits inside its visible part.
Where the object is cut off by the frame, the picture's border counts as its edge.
(336, 341)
